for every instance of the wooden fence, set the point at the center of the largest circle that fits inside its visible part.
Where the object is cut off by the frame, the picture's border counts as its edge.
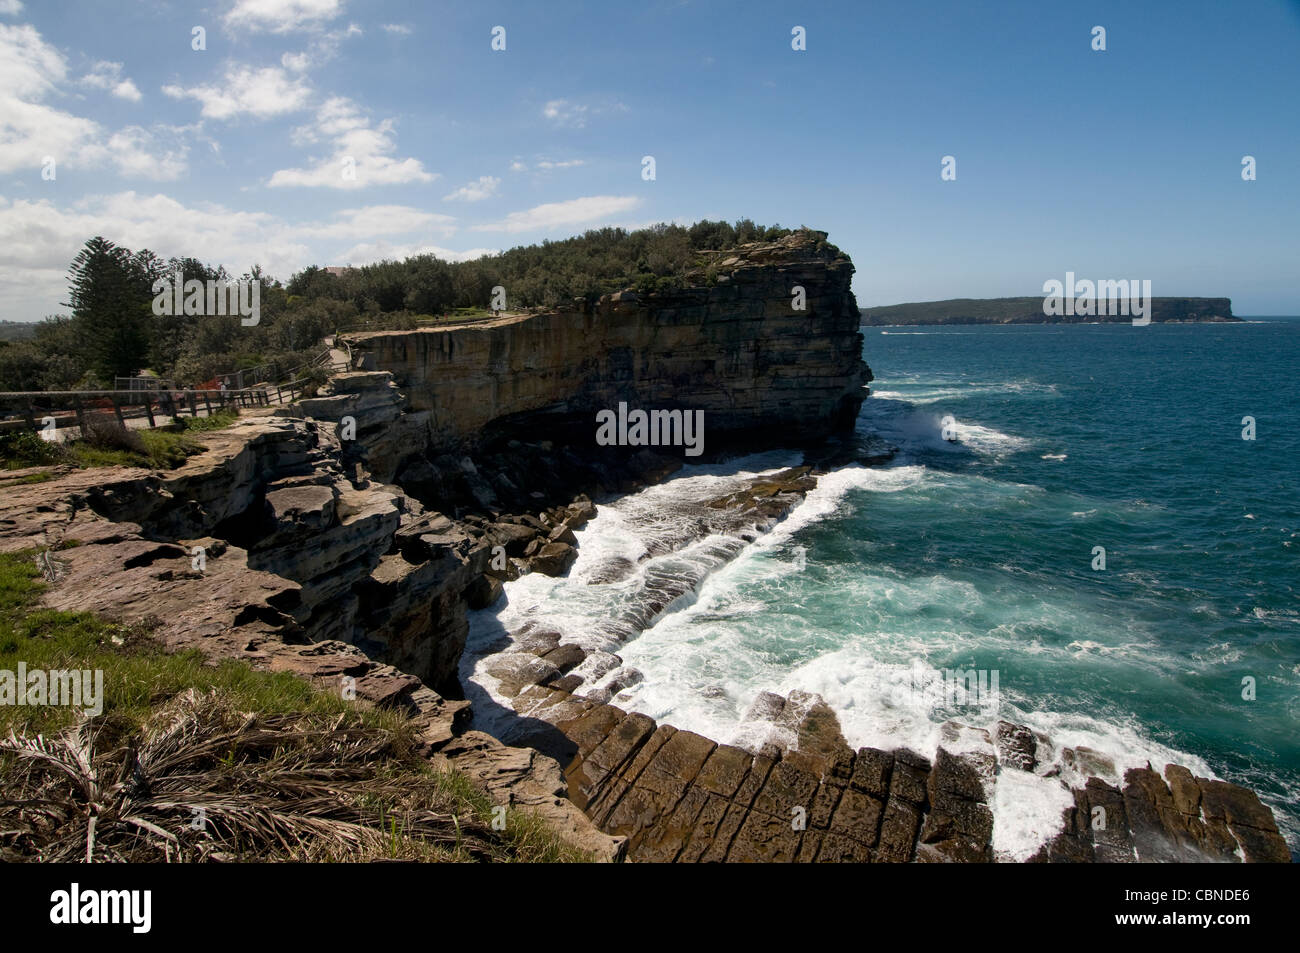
(37, 409)
(69, 408)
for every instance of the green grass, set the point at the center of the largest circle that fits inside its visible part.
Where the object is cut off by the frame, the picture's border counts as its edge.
(137, 672)
(140, 677)
(218, 421)
(159, 449)
(28, 478)
(163, 450)
(20, 449)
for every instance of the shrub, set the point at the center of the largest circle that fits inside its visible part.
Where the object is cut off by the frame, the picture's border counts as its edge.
(26, 448)
(104, 432)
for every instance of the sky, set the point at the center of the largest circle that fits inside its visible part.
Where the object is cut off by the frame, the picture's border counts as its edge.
(336, 132)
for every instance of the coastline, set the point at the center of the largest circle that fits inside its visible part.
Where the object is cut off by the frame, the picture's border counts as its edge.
(794, 749)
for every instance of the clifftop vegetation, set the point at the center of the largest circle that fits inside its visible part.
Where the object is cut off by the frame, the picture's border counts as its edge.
(113, 331)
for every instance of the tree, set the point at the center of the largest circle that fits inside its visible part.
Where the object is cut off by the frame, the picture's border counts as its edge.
(429, 286)
(110, 298)
(314, 282)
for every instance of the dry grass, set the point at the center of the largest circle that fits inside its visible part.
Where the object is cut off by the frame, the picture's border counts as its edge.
(192, 761)
(203, 781)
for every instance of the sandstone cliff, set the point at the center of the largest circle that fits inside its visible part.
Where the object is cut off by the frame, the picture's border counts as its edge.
(346, 536)
(732, 345)
(289, 542)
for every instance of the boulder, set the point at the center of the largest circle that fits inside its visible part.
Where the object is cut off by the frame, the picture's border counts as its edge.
(553, 559)
(1016, 746)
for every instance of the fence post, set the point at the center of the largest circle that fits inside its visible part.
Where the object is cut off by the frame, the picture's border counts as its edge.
(81, 416)
(194, 404)
(30, 413)
(117, 410)
(148, 410)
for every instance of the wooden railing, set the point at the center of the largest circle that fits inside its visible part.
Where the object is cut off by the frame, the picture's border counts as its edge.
(36, 409)
(68, 408)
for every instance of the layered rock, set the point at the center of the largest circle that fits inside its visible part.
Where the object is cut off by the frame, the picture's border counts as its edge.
(300, 580)
(732, 345)
(537, 654)
(678, 796)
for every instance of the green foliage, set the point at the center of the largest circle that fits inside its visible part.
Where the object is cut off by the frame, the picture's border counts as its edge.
(17, 330)
(595, 263)
(27, 478)
(108, 444)
(156, 450)
(20, 449)
(108, 291)
(113, 330)
(218, 421)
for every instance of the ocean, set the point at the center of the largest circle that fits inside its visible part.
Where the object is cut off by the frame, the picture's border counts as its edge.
(980, 552)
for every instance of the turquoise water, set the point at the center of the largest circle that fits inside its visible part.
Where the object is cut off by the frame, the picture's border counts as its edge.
(978, 554)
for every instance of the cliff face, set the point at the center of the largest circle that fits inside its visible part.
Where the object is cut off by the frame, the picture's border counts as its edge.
(737, 349)
(315, 562)
(273, 547)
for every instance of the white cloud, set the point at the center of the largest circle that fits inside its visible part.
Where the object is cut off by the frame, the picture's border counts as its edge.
(367, 253)
(108, 75)
(400, 29)
(10, 7)
(31, 130)
(38, 240)
(484, 188)
(127, 90)
(557, 214)
(144, 152)
(282, 16)
(320, 51)
(546, 165)
(29, 67)
(260, 93)
(360, 156)
(565, 113)
(375, 220)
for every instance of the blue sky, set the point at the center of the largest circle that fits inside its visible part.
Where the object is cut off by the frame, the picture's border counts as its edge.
(1114, 164)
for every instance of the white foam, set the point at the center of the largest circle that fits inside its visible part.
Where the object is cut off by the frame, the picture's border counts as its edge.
(744, 630)
(916, 430)
(1027, 812)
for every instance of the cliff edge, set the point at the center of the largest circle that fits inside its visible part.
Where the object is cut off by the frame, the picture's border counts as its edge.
(764, 340)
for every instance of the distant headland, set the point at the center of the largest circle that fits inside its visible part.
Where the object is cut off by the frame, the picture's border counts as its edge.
(1029, 310)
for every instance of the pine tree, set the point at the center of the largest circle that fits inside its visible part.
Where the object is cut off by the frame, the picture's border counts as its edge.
(110, 300)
